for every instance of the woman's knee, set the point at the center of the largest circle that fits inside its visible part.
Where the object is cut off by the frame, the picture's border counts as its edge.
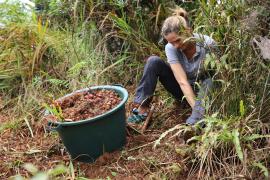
(154, 62)
(153, 59)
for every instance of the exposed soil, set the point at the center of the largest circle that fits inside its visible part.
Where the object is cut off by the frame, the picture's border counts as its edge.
(137, 160)
(88, 104)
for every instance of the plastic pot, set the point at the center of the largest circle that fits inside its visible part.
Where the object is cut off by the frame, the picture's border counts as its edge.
(86, 140)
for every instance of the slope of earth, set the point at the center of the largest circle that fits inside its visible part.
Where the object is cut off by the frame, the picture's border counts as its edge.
(137, 160)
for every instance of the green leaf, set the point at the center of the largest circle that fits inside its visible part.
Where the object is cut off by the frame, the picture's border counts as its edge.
(113, 173)
(237, 145)
(76, 69)
(223, 59)
(71, 170)
(212, 64)
(55, 110)
(263, 169)
(242, 108)
(175, 168)
(60, 169)
(255, 136)
(196, 138)
(121, 23)
(206, 61)
(40, 176)
(57, 82)
(30, 168)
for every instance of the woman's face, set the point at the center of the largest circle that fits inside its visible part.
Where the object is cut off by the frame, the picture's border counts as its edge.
(177, 41)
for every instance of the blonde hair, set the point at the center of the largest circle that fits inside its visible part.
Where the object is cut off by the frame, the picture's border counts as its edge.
(175, 23)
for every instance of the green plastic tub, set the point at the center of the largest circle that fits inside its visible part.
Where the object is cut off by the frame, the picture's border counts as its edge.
(86, 140)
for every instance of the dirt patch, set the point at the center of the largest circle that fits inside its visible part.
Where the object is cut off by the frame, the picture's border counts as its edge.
(137, 159)
(85, 105)
(19, 147)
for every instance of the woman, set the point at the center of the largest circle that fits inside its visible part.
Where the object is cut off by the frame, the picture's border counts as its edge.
(185, 53)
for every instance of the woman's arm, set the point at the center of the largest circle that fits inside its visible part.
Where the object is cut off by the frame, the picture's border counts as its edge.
(181, 77)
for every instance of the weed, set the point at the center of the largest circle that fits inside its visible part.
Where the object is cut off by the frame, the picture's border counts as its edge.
(55, 109)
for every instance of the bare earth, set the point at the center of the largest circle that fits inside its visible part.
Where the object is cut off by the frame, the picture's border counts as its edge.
(137, 160)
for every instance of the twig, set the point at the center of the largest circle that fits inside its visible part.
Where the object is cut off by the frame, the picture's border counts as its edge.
(148, 118)
(139, 147)
(134, 129)
(29, 127)
(30, 152)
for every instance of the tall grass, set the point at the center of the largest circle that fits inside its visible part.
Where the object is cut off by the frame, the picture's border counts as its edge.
(233, 143)
(246, 74)
(40, 62)
(234, 140)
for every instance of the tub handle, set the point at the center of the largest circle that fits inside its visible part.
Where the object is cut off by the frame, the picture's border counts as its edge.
(120, 85)
(52, 126)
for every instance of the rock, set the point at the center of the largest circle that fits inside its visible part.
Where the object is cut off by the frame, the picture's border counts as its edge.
(264, 44)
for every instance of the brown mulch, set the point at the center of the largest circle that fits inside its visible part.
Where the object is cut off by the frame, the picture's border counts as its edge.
(87, 104)
(137, 160)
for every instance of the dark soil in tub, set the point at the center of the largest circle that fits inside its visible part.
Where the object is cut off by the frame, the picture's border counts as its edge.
(88, 104)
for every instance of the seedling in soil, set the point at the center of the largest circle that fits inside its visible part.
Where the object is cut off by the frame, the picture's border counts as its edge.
(55, 110)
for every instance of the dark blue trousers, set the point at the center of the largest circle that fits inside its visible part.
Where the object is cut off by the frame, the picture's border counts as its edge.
(154, 70)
